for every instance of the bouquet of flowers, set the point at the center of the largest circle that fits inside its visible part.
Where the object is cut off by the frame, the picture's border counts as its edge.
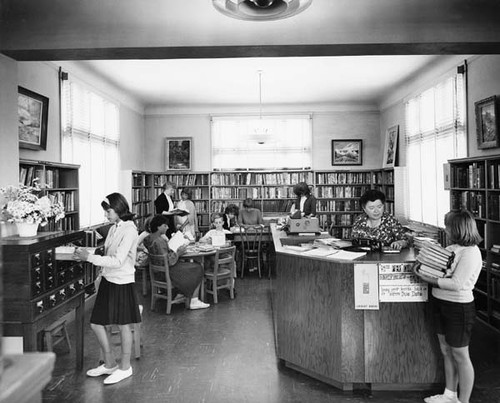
(23, 205)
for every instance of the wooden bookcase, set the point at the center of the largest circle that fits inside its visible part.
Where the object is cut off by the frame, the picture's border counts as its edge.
(475, 185)
(272, 192)
(198, 183)
(60, 183)
(337, 192)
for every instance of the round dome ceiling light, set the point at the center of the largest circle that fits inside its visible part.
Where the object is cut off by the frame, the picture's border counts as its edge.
(260, 10)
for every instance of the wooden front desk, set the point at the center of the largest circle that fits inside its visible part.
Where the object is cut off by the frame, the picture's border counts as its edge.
(319, 332)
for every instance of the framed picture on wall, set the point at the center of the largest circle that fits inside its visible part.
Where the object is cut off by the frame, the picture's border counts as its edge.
(347, 152)
(178, 153)
(391, 147)
(487, 123)
(32, 115)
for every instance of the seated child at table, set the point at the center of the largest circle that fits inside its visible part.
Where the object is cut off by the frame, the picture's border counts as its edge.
(217, 235)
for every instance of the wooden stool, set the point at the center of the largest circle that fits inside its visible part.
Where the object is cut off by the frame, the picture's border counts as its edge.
(56, 333)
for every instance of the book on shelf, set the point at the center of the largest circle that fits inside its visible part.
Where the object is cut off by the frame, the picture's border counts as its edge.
(495, 248)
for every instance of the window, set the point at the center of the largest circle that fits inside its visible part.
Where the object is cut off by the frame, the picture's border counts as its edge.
(261, 143)
(91, 139)
(435, 132)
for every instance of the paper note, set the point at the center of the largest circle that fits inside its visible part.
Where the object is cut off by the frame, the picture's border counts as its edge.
(346, 255)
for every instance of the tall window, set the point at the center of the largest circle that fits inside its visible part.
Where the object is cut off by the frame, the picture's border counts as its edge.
(261, 143)
(435, 132)
(91, 139)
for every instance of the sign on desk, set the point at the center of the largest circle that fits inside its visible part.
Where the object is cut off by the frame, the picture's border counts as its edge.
(398, 283)
(386, 282)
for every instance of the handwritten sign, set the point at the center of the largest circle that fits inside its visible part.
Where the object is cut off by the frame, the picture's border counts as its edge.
(398, 283)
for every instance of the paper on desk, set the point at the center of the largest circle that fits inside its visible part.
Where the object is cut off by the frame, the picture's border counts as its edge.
(298, 248)
(345, 255)
(319, 252)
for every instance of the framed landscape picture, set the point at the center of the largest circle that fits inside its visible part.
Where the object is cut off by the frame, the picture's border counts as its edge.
(32, 115)
(178, 153)
(391, 147)
(487, 123)
(347, 152)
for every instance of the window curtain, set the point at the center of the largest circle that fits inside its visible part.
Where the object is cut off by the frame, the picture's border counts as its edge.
(261, 143)
(90, 138)
(435, 132)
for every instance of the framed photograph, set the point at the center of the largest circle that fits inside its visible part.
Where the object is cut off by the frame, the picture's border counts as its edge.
(32, 111)
(178, 153)
(391, 147)
(347, 152)
(487, 123)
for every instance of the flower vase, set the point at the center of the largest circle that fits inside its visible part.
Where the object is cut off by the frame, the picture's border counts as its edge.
(25, 229)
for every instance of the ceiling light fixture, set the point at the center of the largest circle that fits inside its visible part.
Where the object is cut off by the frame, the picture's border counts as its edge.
(261, 10)
(261, 132)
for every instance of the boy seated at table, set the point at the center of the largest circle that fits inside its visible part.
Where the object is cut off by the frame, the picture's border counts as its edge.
(217, 235)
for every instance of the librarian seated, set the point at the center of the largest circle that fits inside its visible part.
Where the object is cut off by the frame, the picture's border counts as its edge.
(376, 224)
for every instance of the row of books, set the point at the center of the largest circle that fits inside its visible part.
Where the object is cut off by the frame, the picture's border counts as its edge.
(47, 178)
(196, 193)
(181, 179)
(201, 206)
(383, 178)
(142, 194)
(337, 219)
(472, 201)
(494, 176)
(338, 205)
(341, 191)
(236, 193)
(494, 207)
(343, 178)
(66, 198)
(340, 232)
(254, 178)
(65, 224)
(141, 179)
(470, 176)
(142, 209)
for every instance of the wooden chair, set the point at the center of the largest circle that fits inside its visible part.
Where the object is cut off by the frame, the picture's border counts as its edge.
(161, 285)
(251, 239)
(223, 273)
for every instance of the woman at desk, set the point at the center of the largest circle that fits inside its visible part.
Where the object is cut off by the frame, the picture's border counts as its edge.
(249, 215)
(306, 202)
(164, 204)
(376, 224)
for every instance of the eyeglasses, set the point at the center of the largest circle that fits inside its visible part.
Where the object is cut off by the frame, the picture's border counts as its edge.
(375, 208)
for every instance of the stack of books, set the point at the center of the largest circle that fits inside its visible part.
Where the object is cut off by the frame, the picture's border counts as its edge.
(435, 260)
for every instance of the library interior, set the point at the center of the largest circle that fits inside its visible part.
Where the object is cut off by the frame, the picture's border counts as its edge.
(305, 188)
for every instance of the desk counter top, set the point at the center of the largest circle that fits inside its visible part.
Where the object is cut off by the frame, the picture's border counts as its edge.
(406, 255)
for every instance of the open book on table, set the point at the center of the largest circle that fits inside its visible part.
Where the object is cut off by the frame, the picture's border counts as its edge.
(177, 241)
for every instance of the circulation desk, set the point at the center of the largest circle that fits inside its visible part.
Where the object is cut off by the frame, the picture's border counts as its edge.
(321, 334)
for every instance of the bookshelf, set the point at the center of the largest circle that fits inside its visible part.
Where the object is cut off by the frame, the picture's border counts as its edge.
(198, 183)
(338, 194)
(272, 191)
(60, 183)
(475, 185)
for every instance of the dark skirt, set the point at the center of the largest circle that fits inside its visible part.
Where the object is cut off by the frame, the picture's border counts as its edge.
(115, 304)
(186, 276)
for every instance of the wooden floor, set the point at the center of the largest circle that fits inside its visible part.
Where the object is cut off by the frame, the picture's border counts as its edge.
(227, 354)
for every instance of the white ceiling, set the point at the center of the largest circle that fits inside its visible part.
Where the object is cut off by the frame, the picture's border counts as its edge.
(304, 80)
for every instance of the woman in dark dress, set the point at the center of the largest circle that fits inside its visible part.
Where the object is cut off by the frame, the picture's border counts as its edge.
(164, 205)
(185, 276)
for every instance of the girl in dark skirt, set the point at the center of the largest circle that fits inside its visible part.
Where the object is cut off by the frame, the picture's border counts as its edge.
(185, 276)
(116, 302)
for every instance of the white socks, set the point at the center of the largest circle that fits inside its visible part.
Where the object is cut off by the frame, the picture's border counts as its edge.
(449, 393)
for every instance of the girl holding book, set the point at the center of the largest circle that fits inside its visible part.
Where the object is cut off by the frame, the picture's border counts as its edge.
(454, 309)
(185, 276)
(116, 301)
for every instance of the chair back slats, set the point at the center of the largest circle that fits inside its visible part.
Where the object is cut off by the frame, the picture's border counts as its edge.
(252, 239)
(224, 258)
(160, 280)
